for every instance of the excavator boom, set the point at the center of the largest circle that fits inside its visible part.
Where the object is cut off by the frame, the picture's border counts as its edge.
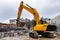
(29, 9)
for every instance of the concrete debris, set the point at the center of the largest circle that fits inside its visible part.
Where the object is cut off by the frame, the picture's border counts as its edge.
(11, 34)
(26, 37)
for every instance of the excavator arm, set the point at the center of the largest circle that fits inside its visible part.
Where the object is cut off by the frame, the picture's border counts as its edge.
(29, 9)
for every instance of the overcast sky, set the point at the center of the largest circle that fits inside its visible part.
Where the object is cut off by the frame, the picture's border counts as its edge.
(46, 8)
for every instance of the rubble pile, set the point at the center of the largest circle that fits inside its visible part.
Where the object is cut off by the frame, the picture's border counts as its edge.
(12, 32)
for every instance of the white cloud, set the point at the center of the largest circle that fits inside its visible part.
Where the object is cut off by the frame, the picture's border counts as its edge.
(46, 8)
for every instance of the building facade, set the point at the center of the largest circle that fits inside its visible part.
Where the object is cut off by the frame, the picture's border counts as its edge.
(12, 21)
(7, 25)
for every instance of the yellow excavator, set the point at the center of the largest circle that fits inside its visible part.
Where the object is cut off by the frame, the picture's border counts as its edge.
(42, 29)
